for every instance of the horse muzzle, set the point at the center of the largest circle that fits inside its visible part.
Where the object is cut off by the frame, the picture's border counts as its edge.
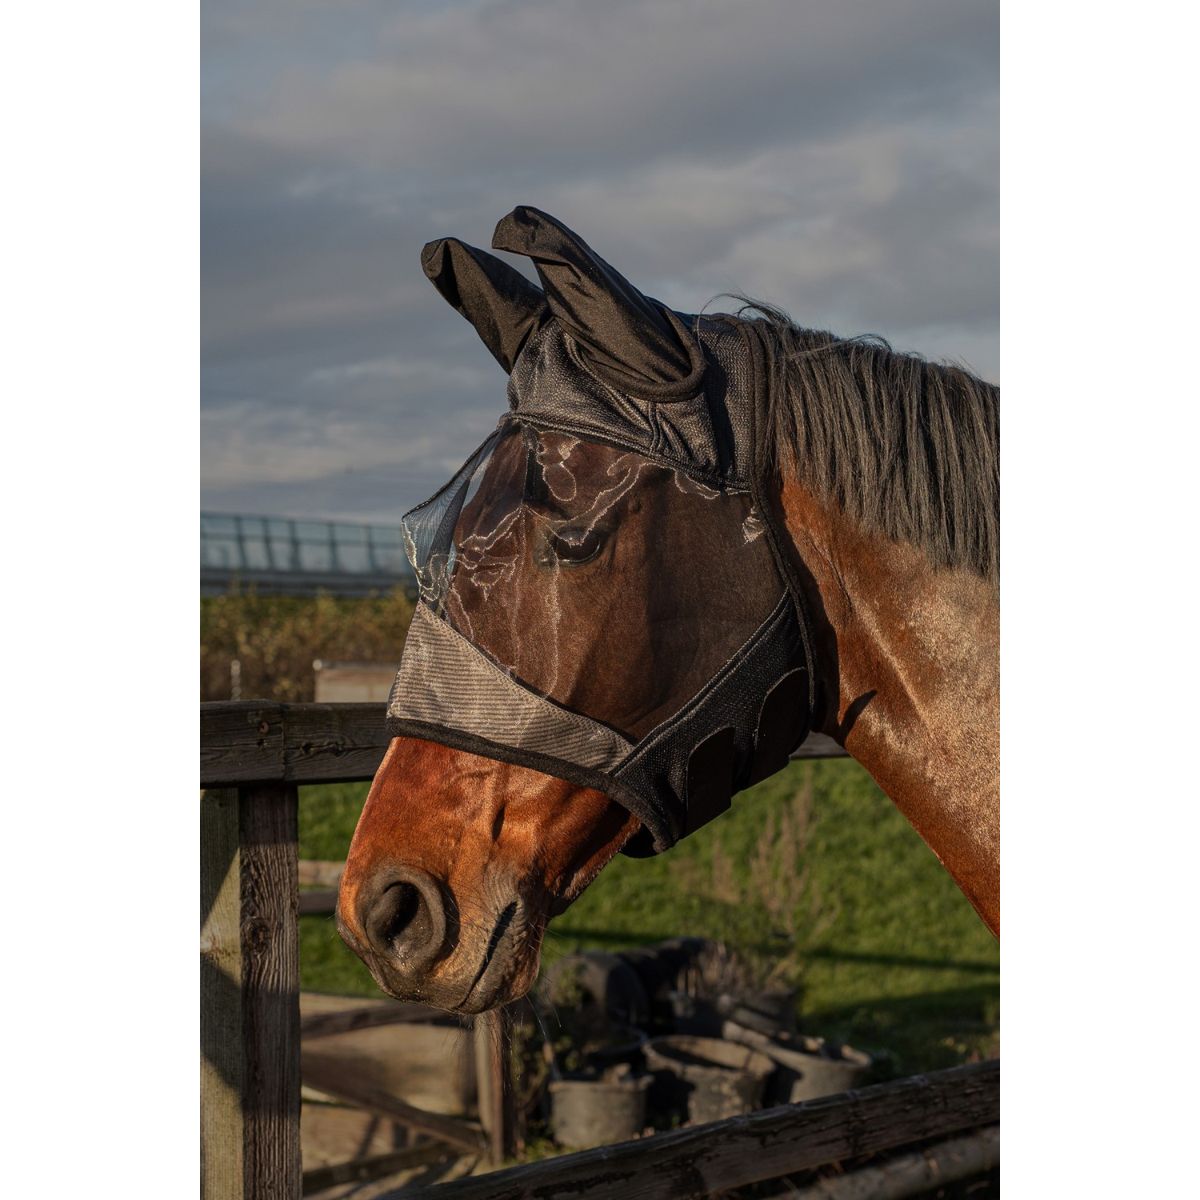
(407, 928)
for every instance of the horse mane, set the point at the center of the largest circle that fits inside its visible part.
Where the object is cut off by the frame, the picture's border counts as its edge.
(909, 447)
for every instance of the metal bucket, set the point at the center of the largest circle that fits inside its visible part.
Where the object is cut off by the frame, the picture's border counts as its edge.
(597, 1112)
(835, 1069)
(705, 1079)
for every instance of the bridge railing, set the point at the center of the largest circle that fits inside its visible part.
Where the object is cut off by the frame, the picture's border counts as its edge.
(273, 552)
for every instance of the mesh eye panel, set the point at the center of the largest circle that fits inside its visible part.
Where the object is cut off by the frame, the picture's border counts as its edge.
(587, 572)
(428, 529)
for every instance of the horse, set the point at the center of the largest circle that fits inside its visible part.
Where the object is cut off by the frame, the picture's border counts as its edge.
(600, 563)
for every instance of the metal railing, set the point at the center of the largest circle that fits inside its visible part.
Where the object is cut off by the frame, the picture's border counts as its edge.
(297, 556)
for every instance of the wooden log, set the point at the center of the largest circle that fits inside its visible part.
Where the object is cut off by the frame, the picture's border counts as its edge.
(248, 741)
(748, 1149)
(250, 986)
(328, 1024)
(913, 1174)
(379, 1166)
(326, 1078)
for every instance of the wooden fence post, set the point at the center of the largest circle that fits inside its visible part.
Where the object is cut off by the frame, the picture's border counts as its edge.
(250, 994)
(220, 996)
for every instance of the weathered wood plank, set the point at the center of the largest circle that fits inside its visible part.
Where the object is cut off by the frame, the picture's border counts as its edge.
(743, 1150)
(251, 741)
(363, 1170)
(317, 872)
(329, 1024)
(334, 1082)
(270, 991)
(250, 1013)
(221, 1131)
(913, 1174)
(493, 1070)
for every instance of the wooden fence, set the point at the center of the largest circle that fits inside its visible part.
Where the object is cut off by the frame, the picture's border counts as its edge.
(253, 758)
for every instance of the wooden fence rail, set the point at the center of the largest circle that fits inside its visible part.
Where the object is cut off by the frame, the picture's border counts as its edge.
(253, 757)
(761, 1145)
(250, 741)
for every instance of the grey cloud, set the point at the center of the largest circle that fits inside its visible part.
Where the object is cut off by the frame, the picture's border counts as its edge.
(838, 159)
(571, 84)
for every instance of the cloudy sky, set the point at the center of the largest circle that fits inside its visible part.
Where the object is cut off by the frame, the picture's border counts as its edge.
(838, 158)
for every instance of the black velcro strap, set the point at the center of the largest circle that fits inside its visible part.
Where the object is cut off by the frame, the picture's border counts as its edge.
(709, 779)
(783, 723)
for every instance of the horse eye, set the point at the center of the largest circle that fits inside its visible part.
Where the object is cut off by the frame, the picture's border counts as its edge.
(572, 546)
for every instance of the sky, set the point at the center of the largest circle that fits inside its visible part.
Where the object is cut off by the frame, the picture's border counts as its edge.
(839, 159)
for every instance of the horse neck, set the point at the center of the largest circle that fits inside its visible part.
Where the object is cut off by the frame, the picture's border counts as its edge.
(908, 667)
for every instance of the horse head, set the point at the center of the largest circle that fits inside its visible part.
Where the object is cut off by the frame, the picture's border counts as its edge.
(604, 648)
(689, 541)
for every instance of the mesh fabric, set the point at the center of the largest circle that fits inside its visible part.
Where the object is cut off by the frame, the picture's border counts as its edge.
(585, 571)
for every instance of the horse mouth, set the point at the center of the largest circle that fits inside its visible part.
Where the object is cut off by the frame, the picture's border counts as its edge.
(508, 964)
(493, 963)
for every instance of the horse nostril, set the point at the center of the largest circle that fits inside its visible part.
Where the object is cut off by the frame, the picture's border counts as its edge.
(408, 915)
(404, 918)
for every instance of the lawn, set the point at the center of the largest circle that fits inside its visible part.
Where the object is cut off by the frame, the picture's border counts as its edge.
(887, 953)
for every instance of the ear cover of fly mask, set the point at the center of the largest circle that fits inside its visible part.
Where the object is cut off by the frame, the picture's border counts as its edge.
(501, 303)
(631, 342)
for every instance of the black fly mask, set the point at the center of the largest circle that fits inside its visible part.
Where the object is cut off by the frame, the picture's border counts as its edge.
(549, 554)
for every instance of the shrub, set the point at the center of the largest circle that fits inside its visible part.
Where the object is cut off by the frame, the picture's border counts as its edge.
(276, 638)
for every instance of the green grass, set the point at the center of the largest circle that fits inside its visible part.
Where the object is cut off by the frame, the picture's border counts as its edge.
(900, 962)
(328, 814)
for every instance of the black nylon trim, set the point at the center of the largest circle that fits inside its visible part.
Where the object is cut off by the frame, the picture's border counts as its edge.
(772, 520)
(666, 728)
(727, 485)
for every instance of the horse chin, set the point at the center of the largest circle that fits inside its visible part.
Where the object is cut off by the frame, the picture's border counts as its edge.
(500, 984)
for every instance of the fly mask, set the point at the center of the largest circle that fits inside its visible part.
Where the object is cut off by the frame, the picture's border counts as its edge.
(627, 424)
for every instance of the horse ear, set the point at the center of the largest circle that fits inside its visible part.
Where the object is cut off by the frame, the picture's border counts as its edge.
(501, 303)
(629, 340)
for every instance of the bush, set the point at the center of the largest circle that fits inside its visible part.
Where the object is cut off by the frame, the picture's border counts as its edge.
(276, 638)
